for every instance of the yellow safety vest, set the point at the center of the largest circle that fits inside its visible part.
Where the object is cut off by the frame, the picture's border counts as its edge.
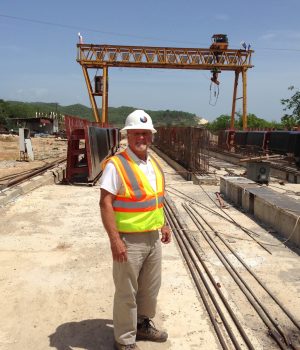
(140, 208)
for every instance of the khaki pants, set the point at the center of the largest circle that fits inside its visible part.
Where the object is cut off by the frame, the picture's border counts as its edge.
(137, 283)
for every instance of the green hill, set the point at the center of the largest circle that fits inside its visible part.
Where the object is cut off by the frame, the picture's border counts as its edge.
(116, 116)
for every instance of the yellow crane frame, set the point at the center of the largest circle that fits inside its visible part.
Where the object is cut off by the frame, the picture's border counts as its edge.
(91, 56)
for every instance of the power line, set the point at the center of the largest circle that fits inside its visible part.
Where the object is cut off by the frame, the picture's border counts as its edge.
(91, 30)
(276, 49)
(66, 26)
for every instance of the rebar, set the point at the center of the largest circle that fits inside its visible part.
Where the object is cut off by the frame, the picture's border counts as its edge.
(183, 239)
(262, 312)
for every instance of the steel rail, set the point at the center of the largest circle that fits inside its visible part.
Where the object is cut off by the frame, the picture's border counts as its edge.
(283, 308)
(196, 281)
(19, 179)
(24, 172)
(12, 176)
(272, 326)
(229, 219)
(242, 228)
(185, 238)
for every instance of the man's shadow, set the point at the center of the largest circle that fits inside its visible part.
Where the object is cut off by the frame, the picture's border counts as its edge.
(86, 334)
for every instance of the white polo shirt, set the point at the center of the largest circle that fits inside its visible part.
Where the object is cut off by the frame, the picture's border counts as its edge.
(111, 181)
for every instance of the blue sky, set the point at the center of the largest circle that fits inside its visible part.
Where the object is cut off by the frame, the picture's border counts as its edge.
(38, 51)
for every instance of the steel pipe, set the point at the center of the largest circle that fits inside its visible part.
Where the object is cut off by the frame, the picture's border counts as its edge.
(184, 238)
(290, 316)
(204, 299)
(264, 315)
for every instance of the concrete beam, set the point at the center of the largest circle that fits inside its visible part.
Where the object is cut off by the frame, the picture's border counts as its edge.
(276, 210)
(49, 177)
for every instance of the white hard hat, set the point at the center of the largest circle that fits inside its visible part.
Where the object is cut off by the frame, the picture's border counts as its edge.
(139, 119)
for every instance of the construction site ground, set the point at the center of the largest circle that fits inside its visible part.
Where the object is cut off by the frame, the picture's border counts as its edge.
(56, 273)
(45, 150)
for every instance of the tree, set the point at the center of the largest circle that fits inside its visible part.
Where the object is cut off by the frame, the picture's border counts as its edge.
(253, 122)
(291, 104)
(3, 112)
(221, 123)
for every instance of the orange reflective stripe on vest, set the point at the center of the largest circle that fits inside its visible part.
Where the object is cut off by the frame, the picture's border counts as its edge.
(131, 178)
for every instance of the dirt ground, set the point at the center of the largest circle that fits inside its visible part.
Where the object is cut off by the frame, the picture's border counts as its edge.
(57, 288)
(56, 280)
(45, 150)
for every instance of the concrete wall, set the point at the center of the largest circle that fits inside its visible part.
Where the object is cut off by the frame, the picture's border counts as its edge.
(276, 210)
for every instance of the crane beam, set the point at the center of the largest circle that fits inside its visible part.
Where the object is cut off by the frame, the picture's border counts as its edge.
(97, 56)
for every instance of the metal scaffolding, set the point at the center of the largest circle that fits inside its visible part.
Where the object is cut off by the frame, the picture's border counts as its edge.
(188, 146)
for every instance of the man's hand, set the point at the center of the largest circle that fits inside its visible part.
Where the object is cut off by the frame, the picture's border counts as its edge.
(166, 234)
(119, 250)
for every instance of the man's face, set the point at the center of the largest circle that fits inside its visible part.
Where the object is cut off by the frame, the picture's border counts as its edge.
(139, 140)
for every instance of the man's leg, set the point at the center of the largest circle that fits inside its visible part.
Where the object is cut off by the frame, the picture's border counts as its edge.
(149, 279)
(126, 286)
(149, 282)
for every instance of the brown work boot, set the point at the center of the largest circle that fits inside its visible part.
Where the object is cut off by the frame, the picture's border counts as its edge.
(147, 331)
(119, 346)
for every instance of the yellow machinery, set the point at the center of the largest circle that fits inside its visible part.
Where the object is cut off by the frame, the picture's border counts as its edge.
(219, 42)
(214, 59)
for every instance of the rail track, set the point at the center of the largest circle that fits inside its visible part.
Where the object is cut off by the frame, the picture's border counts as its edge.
(15, 179)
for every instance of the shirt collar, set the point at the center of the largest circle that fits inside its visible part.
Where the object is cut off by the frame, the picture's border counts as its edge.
(135, 157)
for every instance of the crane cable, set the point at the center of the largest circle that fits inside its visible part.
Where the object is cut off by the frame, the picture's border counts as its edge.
(215, 94)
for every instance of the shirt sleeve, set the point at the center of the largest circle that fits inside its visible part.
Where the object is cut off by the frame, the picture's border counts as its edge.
(110, 179)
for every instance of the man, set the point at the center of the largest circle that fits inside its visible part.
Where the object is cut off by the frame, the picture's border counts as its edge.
(132, 194)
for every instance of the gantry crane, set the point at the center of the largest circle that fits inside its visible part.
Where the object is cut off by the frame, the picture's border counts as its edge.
(217, 58)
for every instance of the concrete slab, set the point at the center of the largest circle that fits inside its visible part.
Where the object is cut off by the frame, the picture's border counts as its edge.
(277, 210)
(204, 180)
(49, 177)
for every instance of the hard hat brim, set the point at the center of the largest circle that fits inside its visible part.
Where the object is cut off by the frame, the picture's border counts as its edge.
(138, 128)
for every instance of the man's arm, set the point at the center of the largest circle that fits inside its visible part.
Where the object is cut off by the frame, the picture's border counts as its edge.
(118, 247)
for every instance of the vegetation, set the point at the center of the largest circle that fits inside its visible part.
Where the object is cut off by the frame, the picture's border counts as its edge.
(3, 112)
(291, 104)
(288, 121)
(253, 122)
(220, 123)
(116, 116)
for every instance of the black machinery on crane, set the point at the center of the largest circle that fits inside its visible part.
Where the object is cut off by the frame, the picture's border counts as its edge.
(219, 45)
